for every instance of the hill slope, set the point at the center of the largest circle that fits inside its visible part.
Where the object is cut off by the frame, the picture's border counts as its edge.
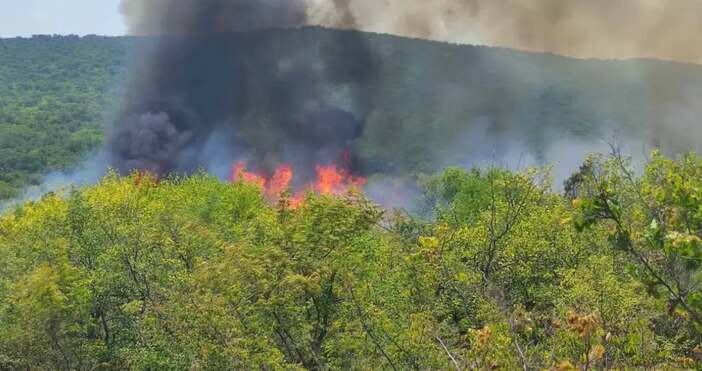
(425, 105)
(55, 93)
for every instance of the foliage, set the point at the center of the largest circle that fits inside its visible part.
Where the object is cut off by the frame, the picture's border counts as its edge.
(54, 95)
(499, 273)
(423, 104)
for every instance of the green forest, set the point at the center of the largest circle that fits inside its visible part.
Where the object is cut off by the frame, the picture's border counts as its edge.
(424, 103)
(55, 95)
(493, 269)
(497, 271)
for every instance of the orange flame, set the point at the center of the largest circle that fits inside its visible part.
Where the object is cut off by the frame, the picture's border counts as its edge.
(240, 174)
(334, 181)
(331, 180)
(280, 182)
(297, 201)
(145, 178)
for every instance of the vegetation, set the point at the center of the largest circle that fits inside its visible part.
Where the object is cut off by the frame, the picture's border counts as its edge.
(453, 104)
(54, 93)
(500, 272)
(495, 271)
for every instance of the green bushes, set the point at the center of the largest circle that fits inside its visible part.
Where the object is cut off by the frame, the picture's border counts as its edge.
(193, 273)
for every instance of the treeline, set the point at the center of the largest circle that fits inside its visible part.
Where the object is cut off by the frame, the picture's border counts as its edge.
(498, 272)
(424, 105)
(55, 95)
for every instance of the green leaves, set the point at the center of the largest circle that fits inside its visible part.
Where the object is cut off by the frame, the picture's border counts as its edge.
(654, 219)
(54, 96)
(182, 273)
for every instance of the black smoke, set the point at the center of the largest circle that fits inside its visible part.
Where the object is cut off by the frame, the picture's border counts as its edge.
(209, 72)
(215, 81)
(202, 17)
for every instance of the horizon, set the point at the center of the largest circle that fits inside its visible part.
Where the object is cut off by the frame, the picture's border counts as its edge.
(668, 30)
(24, 18)
(409, 37)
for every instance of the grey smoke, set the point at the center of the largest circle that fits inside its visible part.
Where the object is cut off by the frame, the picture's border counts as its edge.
(212, 84)
(618, 29)
(199, 17)
(150, 141)
(62, 182)
(204, 76)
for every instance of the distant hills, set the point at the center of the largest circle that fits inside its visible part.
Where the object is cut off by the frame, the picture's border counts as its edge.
(424, 104)
(55, 95)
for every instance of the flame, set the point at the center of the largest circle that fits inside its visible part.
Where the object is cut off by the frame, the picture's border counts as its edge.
(145, 178)
(334, 181)
(240, 174)
(280, 182)
(331, 180)
(297, 201)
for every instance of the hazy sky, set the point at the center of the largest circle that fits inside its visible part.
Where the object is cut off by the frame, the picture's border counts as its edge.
(28, 17)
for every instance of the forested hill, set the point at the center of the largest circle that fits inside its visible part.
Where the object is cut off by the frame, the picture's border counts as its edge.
(55, 93)
(496, 270)
(428, 104)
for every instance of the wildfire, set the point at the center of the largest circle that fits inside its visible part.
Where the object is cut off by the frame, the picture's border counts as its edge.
(240, 174)
(331, 180)
(280, 182)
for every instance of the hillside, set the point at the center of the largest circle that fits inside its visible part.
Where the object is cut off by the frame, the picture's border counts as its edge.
(493, 267)
(55, 95)
(423, 105)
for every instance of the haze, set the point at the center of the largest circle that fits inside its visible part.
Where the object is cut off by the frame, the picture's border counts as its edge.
(605, 29)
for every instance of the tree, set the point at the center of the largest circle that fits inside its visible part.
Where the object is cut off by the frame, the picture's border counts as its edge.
(656, 220)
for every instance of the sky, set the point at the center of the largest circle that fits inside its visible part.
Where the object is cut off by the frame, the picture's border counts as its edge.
(29, 17)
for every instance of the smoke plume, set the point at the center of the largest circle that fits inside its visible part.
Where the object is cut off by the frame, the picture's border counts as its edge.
(199, 17)
(605, 29)
(222, 80)
(203, 82)
(621, 29)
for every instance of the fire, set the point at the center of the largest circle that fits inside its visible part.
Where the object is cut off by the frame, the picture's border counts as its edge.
(240, 174)
(334, 181)
(280, 182)
(331, 180)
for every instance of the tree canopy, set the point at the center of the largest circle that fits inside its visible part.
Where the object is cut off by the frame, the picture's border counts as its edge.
(55, 94)
(497, 272)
